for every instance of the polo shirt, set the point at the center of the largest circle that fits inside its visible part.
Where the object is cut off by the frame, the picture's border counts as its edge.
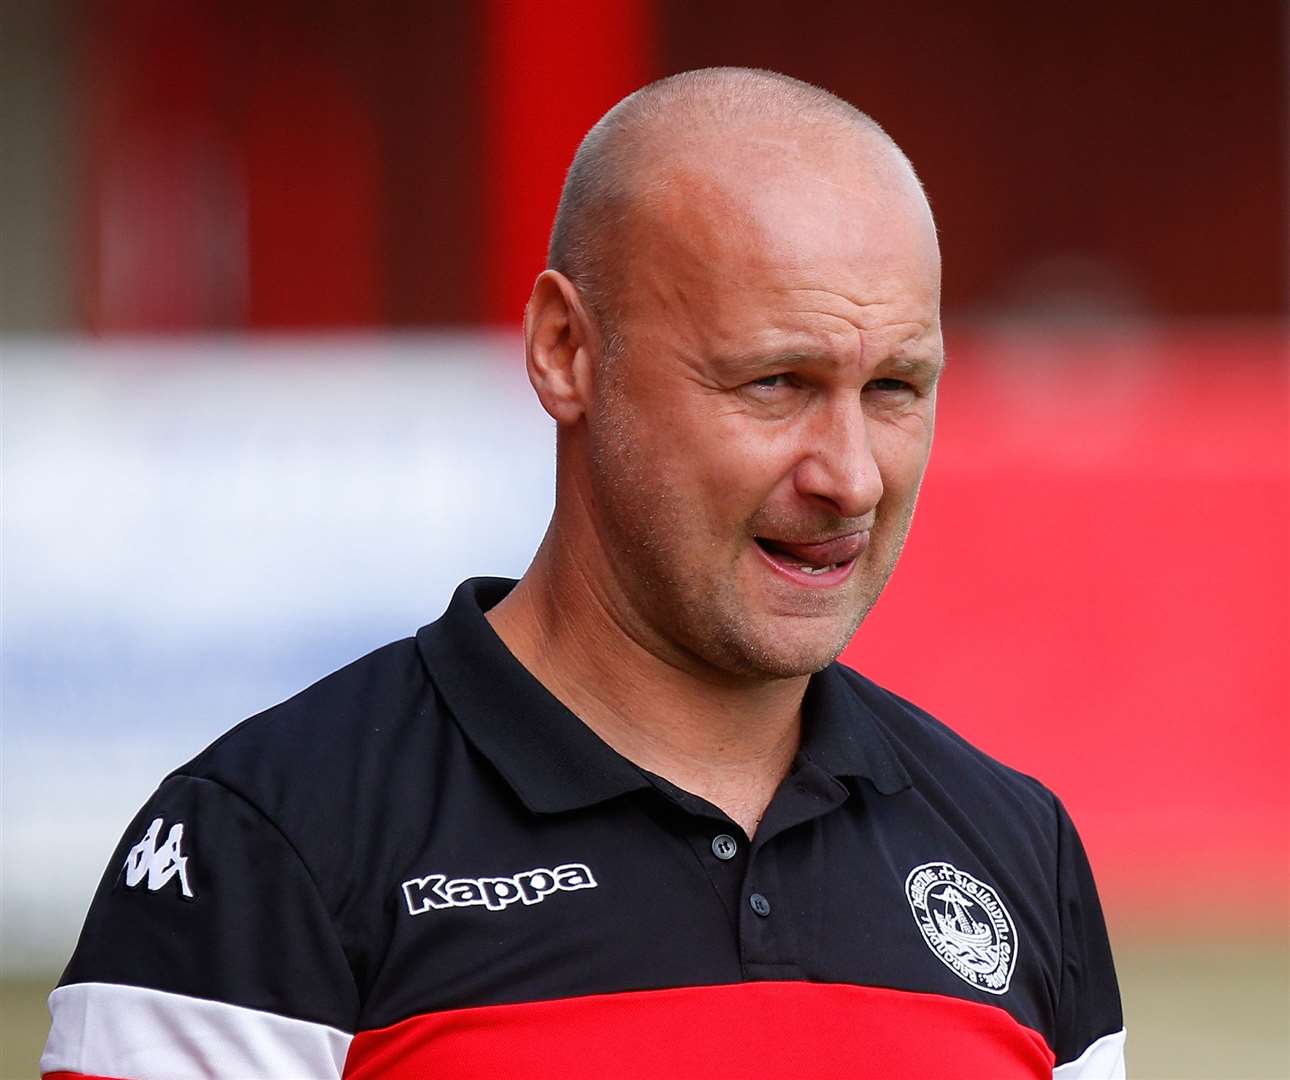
(425, 865)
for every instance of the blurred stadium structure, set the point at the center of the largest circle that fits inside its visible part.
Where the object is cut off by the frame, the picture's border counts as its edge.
(263, 406)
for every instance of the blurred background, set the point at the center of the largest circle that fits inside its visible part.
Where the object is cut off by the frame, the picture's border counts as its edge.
(263, 406)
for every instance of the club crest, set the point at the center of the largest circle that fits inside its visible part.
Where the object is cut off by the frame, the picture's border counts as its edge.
(965, 924)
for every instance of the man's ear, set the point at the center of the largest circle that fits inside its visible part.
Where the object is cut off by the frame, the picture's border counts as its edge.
(559, 347)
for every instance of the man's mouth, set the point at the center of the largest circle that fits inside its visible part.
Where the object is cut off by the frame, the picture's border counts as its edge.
(815, 558)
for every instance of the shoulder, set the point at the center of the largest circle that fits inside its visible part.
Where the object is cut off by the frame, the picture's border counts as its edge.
(360, 709)
(330, 767)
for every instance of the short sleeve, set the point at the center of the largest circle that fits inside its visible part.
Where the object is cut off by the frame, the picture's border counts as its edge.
(1090, 1023)
(207, 951)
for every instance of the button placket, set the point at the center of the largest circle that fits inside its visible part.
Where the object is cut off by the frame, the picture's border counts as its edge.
(765, 939)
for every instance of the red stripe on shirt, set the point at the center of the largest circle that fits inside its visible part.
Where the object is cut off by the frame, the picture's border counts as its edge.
(725, 1032)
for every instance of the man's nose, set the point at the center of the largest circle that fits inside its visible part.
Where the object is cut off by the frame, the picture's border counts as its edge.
(838, 464)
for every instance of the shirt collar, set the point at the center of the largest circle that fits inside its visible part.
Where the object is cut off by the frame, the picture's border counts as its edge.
(843, 736)
(555, 762)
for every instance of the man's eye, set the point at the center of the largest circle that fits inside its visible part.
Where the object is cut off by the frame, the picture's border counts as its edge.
(771, 382)
(887, 385)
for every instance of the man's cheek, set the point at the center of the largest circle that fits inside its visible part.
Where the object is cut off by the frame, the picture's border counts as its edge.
(901, 457)
(737, 485)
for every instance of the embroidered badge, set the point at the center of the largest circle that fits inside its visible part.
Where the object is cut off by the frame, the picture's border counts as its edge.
(965, 924)
(156, 861)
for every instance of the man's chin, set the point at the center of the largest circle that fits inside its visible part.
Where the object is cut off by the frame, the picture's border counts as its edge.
(789, 652)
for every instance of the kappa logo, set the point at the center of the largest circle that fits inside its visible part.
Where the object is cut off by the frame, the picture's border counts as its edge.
(437, 891)
(158, 862)
(965, 924)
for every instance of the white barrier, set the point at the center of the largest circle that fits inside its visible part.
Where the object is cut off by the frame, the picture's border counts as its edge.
(193, 530)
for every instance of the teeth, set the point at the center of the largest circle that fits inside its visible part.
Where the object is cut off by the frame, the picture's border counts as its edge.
(813, 570)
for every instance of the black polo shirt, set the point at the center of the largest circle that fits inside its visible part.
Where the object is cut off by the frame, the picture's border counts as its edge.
(425, 865)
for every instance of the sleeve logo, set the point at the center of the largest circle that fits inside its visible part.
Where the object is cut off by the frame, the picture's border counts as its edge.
(965, 924)
(437, 891)
(157, 862)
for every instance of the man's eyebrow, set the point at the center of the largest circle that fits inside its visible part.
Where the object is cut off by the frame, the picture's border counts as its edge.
(744, 363)
(924, 367)
(929, 367)
(772, 357)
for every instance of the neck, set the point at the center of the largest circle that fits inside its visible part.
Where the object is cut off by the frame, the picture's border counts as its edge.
(729, 740)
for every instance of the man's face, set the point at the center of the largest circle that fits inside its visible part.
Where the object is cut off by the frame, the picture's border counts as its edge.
(756, 452)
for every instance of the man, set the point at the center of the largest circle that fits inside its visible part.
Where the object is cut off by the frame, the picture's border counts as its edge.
(628, 817)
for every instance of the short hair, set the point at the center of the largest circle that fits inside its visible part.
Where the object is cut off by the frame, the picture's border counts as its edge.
(604, 175)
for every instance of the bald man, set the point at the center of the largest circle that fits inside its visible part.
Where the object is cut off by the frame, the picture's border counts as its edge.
(628, 816)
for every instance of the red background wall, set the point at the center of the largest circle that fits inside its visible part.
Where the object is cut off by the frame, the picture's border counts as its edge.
(299, 165)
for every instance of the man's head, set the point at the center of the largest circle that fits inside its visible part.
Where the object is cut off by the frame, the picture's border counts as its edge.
(739, 337)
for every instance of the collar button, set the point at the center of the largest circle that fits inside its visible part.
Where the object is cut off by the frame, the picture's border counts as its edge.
(724, 847)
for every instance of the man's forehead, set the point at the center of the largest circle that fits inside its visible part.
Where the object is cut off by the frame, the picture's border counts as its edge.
(760, 182)
(717, 159)
(791, 221)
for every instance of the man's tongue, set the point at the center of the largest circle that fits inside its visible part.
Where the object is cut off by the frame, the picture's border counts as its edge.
(826, 553)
